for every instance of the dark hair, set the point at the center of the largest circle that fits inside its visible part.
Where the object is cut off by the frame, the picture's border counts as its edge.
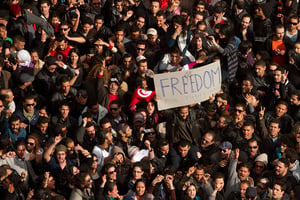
(109, 186)
(74, 50)
(61, 38)
(296, 93)
(99, 16)
(285, 161)
(161, 14)
(79, 180)
(184, 143)
(43, 120)
(19, 143)
(291, 154)
(14, 118)
(281, 184)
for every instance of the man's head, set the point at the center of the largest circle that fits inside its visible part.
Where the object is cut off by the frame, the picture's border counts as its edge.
(260, 163)
(120, 34)
(141, 47)
(278, 189)
(105, 137)
(20, 149)
(98, 22)
(183, 112)
(223, 121)
(142, 64)
(208, 139)
(18, 42)
(90, 130)
(61, 153)
(281, 109)
(225, 149)
(262, 185)
(243, 188)
(274, 128)
(260, 68)
(140, 21)
(247, 85)
(45, 7)
(295, 98)
(115, 108)
(183, 148)
(50, 64)
(175, 56)
(246, 21)
(155, 7)
(279, 32)
(277, 74)
(253, 147)
(83, 181)
(65, 85)
(163, 147)
(282, 167)
(199, 172)
(160, 18)
(248, 130)
(61, 40)
(244, 171)
(29, 103)
(292, 22)
(96, 4)
(64, 109)
(14, 123)
(239, 111)
(43, 123)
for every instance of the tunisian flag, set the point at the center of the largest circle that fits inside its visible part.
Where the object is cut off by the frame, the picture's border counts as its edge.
(140, 94)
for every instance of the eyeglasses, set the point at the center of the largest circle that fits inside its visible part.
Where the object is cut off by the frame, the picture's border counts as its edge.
(114, 109)
(111, 172)
(63, 29)
(30, 143)
(140, 49)
(252, 147)
(32, 104)
(238, 110)
(259, 166)
(293, 23)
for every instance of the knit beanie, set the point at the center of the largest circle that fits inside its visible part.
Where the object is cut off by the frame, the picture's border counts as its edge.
(262, 158)
(24, 58)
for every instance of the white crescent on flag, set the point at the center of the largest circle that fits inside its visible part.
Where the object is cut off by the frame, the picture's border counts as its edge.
(144, 93)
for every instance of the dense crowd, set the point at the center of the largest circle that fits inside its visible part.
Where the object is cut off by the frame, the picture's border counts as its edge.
(78, 107)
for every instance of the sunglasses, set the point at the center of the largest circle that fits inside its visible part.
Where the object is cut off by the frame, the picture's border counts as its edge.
(30, 104)
(140, 49)
(292, 23)
(252, 147)
(97, 3)
(238, 110)
(223, 150)
(111, 172)
(30, 143)
(259, 166)
(1, 106)
(64, 29)
(114, 109)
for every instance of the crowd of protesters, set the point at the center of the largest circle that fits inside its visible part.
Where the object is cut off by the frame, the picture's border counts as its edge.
(78, 108)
